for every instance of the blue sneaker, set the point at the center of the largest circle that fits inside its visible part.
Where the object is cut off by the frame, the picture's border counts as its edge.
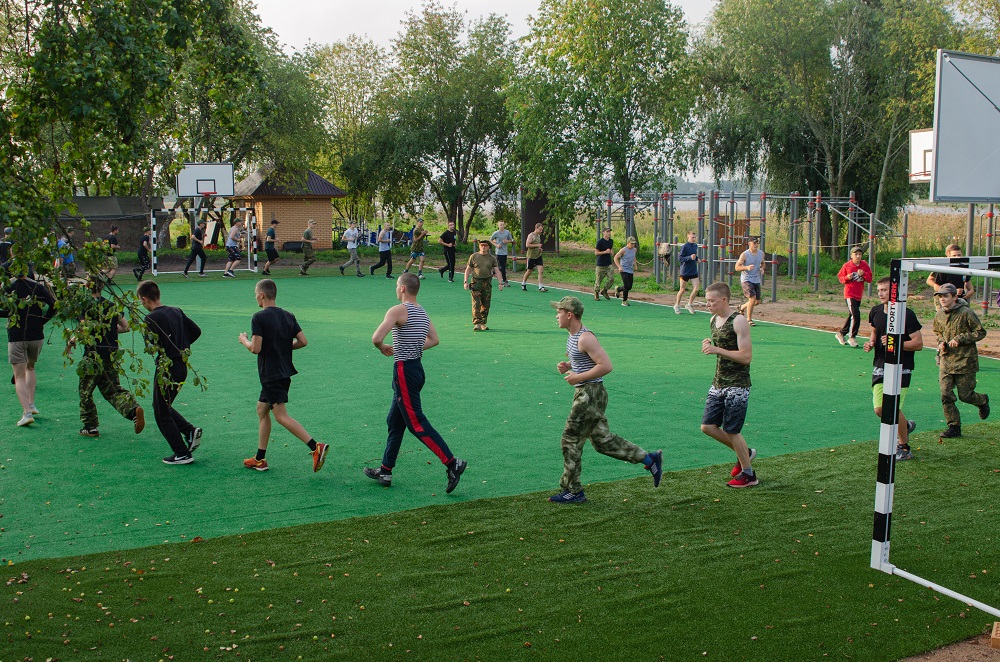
(568, 497)
(656, 468)
(903, 454)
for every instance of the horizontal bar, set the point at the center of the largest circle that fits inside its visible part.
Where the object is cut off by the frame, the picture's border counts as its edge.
(921, 266)
(946, 591)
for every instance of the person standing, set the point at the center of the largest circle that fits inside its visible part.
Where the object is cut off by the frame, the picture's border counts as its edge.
(750, 265)
(270, 239)
(170, 332)
(197, 248)
(625, 263)
(501, 240)
(479, 274)
(958, 329)
(533, 252)
(962, 282)
(233, 252)
(585, 371)
(384, 251)
(100, 367)
(67, 259)
(25, 337)
(6, 251)
(854, 274)
(143, 255)
(729, 396)
(913, 341)
(604, 271)
(417, 251)
(351, 237)
(688, 260)
(412, 334)
(448, 241)
(112, 241)
(274, 334)
(308, 248)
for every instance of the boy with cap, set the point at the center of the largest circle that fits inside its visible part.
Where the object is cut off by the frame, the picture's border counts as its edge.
(479, 273)
(588, 364)
(272, 254)
(604, 271)
(854, 274)
(417, 252)
(750, 265)
(351, 237)
(233, 252)
(958, 329)
(625, 262)
(308, 248)
(197, 248)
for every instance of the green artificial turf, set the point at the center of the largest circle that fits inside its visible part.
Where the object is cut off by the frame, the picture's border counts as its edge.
(495, 396)
(692, 570)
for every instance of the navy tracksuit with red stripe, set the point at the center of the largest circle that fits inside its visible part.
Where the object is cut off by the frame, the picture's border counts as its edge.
(406, 414)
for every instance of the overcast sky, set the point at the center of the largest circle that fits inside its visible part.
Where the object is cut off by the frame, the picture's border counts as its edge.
(297, 22)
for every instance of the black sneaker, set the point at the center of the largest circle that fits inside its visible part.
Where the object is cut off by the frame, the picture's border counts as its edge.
(360, 275)
(441, 272)
(568, 497)
(952, 432)
(984, 411)
(524, 287)
(185, 274)
(371, 270)
(178, 459)
(656, 468)
(382, 477)
(341, 271)
(194, 440)
(388, 276)
(455, 474)
(911, 426)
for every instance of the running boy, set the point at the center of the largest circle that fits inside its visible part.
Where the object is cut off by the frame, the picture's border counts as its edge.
(233, 252)
(272, 253)
(350, 236)
(308, 247)
(854, 274)
(533, 251)
(143, 254)
(274, 334)
(750, 265)
(197, 249)
(417, 252)
(689, 272)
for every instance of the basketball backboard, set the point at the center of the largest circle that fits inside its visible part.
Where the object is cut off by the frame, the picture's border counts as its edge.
(197, 179)
(921, 155)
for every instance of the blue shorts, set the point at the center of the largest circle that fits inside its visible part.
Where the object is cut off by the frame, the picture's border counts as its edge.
(726, 408)
(416, 255)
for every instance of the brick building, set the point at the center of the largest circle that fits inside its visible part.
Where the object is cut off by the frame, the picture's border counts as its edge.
(292, 204)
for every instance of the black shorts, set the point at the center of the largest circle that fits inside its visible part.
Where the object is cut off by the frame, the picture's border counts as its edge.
(534, 262)
(726, 408)
(275, 391)
(272, 255)
(233, 252)
(688, 279)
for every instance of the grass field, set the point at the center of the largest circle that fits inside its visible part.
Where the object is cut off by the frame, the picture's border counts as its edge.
(777, 572)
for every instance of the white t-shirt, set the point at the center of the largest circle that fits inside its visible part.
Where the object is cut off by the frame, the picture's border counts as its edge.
(499, 237)
(351, 237)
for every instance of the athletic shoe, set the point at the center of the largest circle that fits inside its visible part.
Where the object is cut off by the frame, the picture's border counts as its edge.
(840, 337)
(903, 454)
(27, 419)
(33, 410)
(952, 431)
(384, 478)
(568, 497)
(302, 273)
(984, 411)
(194, 440)
(254, 463)
(506, 284)
(543, 289)
(677, 310)
(451, 280)
(738, 469)
(744, 480)
(360, 275)
(656, 468)
(178, 459)
(476, 327)
(185, 274)
(524, 287)
(90, 432)
(420, 275)
(389, 276)
(135, 272)
(341, 271)
(203, 275)
(597, 297)
(911, 426)
(139, 420)
(441, 273)
(605, 294)
(455, 474)
(626, 303)
(265, 273)
(371, 270)
(319, 456)
(852, 342)
(228, 274)
(689, 309)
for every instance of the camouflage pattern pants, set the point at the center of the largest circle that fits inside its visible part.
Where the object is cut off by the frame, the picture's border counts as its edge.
(966, 385)
(102, 374)
(354, 259)
(308, 257)
(602, 274)
(482, 295)
(586, 420)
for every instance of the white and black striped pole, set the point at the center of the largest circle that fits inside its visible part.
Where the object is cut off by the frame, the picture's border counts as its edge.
(253, 238)
(152, 237)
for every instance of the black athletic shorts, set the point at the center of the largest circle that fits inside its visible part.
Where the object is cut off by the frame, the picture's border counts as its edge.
(275, 392)
(688, 279)
(233, 252)
(535, 262)
(272, 255)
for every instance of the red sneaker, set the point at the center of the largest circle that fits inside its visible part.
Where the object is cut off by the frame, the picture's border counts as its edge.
(738, 469)
(254, 463)
(319, 456)
(743, 480)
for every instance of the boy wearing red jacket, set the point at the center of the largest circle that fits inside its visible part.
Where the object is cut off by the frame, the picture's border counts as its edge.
(854, 274)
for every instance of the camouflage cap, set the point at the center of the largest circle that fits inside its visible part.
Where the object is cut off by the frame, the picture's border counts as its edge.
(947, 288)
(485, 241)
(572, 304)
(631, 240)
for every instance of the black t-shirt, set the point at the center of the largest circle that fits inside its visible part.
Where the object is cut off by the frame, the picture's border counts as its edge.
(5, 248)
(448, 237)
(198, 234)
(171, 330)
(142, 241)
(603, 245)
(112, 240)
(270, 237)
(880, 322)
(960, 281)
(105, 338)
(276, 328)
(26, 323)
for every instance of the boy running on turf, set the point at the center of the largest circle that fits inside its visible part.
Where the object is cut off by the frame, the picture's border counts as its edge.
(417, 252)
(275, 333)
(233, 252)
(270, 239)
(729, 395)
(688, 260)
(145, 246)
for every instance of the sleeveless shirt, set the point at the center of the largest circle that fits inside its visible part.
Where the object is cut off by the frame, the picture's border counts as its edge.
(728, 372)
(580, 361)
(408, 340)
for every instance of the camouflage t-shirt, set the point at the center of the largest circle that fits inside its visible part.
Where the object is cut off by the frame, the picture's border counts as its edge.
(728, 372)
(483, 265)
(418, 240)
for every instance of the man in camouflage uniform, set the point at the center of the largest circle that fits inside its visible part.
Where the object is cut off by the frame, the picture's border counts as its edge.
(479, 273)
(958, 330)
(308, 248)
(585, 371)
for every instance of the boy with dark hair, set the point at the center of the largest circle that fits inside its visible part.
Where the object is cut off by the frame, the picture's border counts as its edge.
(604, 273)
(350, 237)
(533, 252)
(272, 254)
(197, 248)
(448, 241)
(67, 259)
(233, 253)
(962, 282)
(412, 333)
(143, 254)
(25, 337)
(417, 252)
(384, 251)
(274, 334)
(170, 332)
(6, 251)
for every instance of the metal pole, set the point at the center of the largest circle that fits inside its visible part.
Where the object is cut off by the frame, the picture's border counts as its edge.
(793, 236)
(906, 223)
(774, 254)
(970, 230)
(987, 294)
(657, 238)
(809, 236)
(871, 249)
(152, 237)
(819, 239)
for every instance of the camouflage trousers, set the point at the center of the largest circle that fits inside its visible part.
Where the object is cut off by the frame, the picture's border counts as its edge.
(482, 295)
(966, 385)
(308, 257)
(102, 374)
(605, 276)
(587, 420)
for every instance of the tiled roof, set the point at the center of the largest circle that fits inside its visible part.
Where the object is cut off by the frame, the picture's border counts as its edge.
(258, 186)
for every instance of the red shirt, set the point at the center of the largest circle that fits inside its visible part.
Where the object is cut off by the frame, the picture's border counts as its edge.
(854, 289)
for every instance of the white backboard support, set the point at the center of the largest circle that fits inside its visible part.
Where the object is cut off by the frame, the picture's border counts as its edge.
(966, 156)
(921, 155)
(197, 179)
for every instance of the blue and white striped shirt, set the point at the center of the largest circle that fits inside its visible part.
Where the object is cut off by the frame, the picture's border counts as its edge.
(580, 361)
(408, 340)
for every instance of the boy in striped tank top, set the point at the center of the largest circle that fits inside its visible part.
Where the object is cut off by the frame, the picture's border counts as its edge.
(585, 372)
(412, 333)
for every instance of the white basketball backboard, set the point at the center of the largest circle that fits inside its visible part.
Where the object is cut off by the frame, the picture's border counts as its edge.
(921, 155)
(966, 156)
(197, 179)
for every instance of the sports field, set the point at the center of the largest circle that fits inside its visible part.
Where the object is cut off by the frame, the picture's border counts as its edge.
(500, 404)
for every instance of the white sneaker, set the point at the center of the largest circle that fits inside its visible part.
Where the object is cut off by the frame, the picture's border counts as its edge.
(677, 309)
(839, 336)
(420, 275)
(27, 419)
(852, 342)
(33, 409)
(689, 309)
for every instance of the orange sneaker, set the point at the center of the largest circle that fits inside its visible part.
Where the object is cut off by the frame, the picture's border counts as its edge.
(254, 463)
(319, 456)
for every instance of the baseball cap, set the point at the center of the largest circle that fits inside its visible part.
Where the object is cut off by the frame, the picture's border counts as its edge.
(947, 288)
(572, 304)
(631, 240)
(753, 239)
(484, 241)
(857, 249)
